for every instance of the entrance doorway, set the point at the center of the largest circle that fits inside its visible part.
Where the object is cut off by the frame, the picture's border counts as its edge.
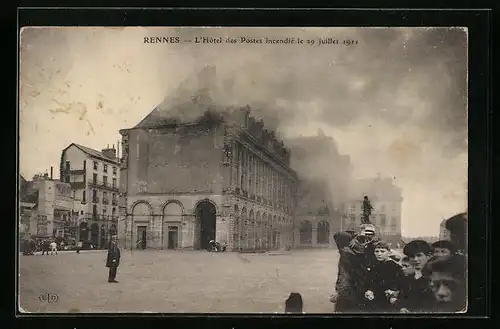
(206, 218)
(141, 237)
(173, 237)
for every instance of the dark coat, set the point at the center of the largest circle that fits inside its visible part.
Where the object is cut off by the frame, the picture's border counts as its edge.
(352, 269)
(416, 295)
(380, 277)
(113, 255)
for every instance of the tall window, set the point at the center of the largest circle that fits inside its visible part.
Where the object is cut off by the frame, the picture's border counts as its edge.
(94, 211)
(95, 165)
(353, 208)
(114, 197)
(113, 212)
(104, 210)
(114, 170)
(114, 182)
(105, 180)
(67, 165)
(105, 169)
(94, 196)
(84, 195)
(94, 178)
(105, 197)
(382, 220)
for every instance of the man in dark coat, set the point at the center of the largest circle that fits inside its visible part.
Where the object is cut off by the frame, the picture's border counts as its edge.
(113, 260)
(356, 257)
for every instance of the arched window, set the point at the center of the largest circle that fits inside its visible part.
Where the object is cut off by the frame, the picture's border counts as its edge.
(172, 212)
(305, 232)
(141, 212)
(323, 232)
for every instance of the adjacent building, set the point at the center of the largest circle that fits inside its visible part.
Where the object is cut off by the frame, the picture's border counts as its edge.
(94, 178)
(222, 176)
(47, 208)
(316, 218)
(386, 199)
(324, 176)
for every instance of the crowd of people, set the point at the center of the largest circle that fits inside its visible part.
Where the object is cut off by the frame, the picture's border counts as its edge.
(429, 278)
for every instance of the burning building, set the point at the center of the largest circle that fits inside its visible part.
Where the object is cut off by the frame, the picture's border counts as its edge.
(222, 176)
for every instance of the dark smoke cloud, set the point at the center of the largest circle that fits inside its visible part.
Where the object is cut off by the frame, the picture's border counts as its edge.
(395, 103)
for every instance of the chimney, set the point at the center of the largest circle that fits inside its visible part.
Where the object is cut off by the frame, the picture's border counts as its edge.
(109, 152)
(51, 172)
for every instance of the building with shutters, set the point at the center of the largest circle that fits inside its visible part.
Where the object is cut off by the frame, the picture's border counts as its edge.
(221, 176)
(94, 178)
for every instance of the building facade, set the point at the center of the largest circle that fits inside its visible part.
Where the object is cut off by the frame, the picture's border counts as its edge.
(50, 211)
(316, 219)
(386, 199)
(222, 176)
(94, 177)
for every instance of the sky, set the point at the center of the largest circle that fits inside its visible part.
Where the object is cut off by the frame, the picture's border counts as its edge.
(395, 101)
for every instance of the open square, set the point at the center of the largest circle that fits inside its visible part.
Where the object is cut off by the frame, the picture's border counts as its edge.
(178, 282)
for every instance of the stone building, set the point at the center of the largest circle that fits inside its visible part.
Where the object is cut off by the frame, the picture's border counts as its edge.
(316, 219)
(222, 176)
(94, 178)
(324, 176)
(386, 199)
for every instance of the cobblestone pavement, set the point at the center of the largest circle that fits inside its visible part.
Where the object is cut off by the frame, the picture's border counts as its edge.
(169, 281)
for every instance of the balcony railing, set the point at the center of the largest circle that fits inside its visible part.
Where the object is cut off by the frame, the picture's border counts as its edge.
(105, 185)
(77, 185)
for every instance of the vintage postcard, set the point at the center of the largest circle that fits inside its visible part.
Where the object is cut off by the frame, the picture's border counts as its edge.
(242, 170)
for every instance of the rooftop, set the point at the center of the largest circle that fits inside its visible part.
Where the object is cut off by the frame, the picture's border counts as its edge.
(94, 153)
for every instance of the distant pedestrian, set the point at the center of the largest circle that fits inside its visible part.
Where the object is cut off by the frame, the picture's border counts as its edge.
(79, 246)
(53, 248)
(113, 260)
(45, 247)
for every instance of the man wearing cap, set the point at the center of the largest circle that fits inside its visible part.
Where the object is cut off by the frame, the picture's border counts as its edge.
(356, 258)
(113, 260)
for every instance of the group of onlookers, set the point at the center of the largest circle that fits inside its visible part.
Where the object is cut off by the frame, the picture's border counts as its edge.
(44, 246)
(429, 277)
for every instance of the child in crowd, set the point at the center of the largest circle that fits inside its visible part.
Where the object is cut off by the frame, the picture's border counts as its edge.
(415, 295)
(447, 281)
(294, 303)
(443, 248)
(407, 268)
(381, 285)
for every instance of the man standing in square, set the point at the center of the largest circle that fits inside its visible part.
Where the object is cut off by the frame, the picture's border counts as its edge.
(113, 260)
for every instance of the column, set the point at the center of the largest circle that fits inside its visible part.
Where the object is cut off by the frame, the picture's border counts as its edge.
(234, 165)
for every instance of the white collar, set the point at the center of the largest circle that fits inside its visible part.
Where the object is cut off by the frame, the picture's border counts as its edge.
(418, 274)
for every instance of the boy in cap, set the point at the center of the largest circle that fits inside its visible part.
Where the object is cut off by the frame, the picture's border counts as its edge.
(415, 294)
(381, 284)
(443, 248)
